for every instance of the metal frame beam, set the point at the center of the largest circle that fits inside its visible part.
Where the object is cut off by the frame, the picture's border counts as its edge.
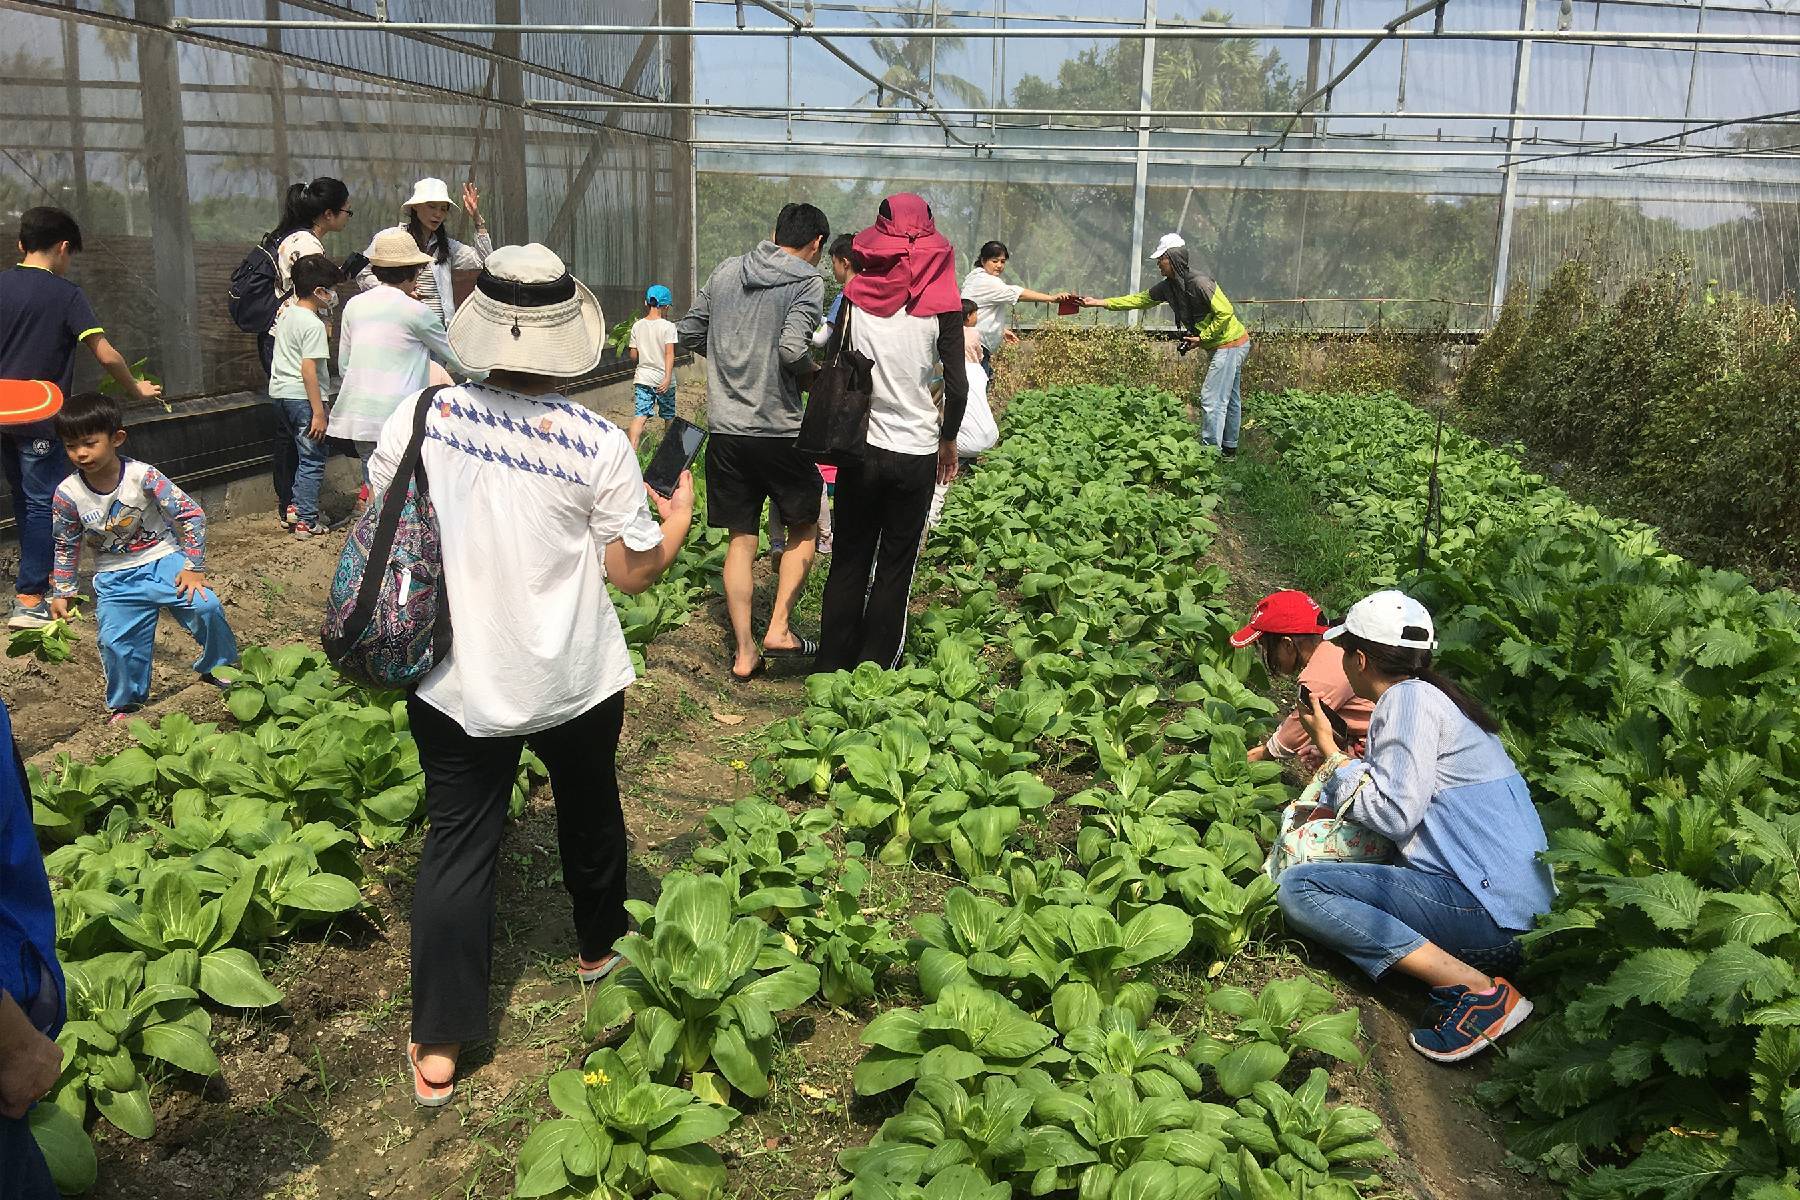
(976, 32)
(1141, 175)
(1509, 187)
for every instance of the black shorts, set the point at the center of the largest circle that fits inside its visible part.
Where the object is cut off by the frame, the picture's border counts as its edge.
(742, 472)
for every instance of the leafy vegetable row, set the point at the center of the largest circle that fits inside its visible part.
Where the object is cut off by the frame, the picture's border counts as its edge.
(1032, 1048)
(1655, 707)
(180, 858)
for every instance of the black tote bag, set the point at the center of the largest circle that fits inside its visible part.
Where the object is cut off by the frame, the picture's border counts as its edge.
(835, 429)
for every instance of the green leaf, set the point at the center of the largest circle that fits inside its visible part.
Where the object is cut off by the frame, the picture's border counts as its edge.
(322, 893)
(569, 1094)
(1159, 932)
(245, 703)
(128, 1111)
(696, 1123)
(232, 978)
(738, 1064)
(688, 1173)
(1248, 1065)
(181, 1046)
(1672, 901)
(540, 1169)
(66, 1147)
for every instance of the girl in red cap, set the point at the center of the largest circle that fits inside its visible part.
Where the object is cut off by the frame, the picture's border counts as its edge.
(1288, 627)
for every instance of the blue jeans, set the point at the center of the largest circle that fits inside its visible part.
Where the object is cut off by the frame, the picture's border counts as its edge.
(34, 462)
(1221, 395)
(23, 1173)
(127, 604)
(1375, 915)
(303, 458)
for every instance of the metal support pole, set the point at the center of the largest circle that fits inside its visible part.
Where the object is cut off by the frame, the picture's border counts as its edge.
(71, 49)
(1510, 184)
(687, 224)
(513, 175)
(1140, 185)
(171, 231)
(1687, 105)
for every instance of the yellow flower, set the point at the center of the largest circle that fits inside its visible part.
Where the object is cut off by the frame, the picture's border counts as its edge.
(595, 1078)
(738, 764)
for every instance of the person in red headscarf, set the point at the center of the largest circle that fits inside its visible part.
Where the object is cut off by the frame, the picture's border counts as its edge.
(904, 311)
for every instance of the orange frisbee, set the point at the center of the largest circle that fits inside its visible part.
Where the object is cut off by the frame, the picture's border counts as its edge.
(23, 401)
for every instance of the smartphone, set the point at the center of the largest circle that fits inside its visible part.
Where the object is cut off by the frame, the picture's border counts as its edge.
(680, 447)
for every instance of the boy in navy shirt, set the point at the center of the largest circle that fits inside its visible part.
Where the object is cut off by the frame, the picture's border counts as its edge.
(43, 317)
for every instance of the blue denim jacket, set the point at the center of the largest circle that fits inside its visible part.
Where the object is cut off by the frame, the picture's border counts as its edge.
(1448, 796)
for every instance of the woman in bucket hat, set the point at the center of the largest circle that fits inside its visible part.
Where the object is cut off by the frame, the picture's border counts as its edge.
(1207, 320)
(1437, 782)
(539, 505)
(426, 210)
(1288, 627)
(387, 342)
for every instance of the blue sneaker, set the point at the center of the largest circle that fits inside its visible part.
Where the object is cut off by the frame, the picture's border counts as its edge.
(1440, 1001)
(1471, 1022)
(33, 616)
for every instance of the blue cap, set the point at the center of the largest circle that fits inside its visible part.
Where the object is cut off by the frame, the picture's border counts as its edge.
(658, 295)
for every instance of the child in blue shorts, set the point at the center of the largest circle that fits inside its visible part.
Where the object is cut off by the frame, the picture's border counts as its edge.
(149, 543)
(653, 350)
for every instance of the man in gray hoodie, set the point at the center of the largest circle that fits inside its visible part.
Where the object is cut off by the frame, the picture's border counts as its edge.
(753, 321)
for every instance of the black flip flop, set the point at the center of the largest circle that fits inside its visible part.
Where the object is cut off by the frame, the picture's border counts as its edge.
(806, 649)
(762, 665)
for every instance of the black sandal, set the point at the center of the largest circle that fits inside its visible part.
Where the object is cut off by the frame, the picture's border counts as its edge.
(761, 666)
(806, 649)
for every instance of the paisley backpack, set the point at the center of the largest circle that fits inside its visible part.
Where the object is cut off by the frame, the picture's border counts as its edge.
(387, 622)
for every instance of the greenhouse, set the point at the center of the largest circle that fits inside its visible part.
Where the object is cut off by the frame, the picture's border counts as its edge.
(921, 600)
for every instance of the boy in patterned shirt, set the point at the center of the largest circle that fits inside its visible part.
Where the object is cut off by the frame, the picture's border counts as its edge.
(149, 544)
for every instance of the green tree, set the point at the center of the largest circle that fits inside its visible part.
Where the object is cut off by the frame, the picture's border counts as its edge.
(910, 64)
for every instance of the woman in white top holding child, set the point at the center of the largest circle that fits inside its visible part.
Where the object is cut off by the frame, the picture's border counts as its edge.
(539, 505)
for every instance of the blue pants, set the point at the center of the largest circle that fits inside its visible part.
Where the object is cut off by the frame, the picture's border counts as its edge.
(23, 1173)
(127, 604)
(1221, 395)
(1375, 915)
(33, 460)
(299, 461)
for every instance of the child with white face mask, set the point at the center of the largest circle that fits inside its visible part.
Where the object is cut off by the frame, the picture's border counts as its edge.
(301, 386)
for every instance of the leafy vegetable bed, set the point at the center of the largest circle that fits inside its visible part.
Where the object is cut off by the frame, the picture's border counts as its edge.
(1653, 706)
(1025, 1023)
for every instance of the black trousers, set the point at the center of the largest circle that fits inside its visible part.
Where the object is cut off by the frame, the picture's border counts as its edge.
(468, 781)
(877, 520)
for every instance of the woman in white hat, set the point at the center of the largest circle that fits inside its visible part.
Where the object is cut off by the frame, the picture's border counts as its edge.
(1436, 781)
(387, 342)
(540, 505)
(426, 211)
(1204, 312)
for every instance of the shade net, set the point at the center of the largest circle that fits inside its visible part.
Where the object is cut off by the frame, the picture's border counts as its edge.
(174, 152)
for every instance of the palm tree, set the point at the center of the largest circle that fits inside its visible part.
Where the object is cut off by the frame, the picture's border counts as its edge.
(910, 64)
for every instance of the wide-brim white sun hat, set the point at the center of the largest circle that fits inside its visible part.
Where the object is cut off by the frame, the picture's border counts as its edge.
(1170, 241)
(395, 247)
(429, 191)
(528, 314)
(1388, 618)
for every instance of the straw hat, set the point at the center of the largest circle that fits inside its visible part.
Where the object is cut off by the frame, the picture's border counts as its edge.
(429, 191)
(394, 247)
(528, 314)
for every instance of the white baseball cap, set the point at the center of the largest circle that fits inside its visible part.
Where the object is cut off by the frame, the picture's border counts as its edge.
(1170, 241)
(1388, 618)
(428, 191)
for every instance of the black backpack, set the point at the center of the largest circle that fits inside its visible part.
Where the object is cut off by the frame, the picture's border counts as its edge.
(255, 296)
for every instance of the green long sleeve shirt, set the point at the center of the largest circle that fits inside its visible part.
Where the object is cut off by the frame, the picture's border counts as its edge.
(1215, 328)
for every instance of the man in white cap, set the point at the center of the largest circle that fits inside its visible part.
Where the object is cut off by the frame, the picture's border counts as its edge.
(1205, 314)
(540, 505)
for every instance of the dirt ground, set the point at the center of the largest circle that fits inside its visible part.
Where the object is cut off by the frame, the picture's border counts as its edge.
(313, 1102)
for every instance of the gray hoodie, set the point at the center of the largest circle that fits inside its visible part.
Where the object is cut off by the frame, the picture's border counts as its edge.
(754, 321)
